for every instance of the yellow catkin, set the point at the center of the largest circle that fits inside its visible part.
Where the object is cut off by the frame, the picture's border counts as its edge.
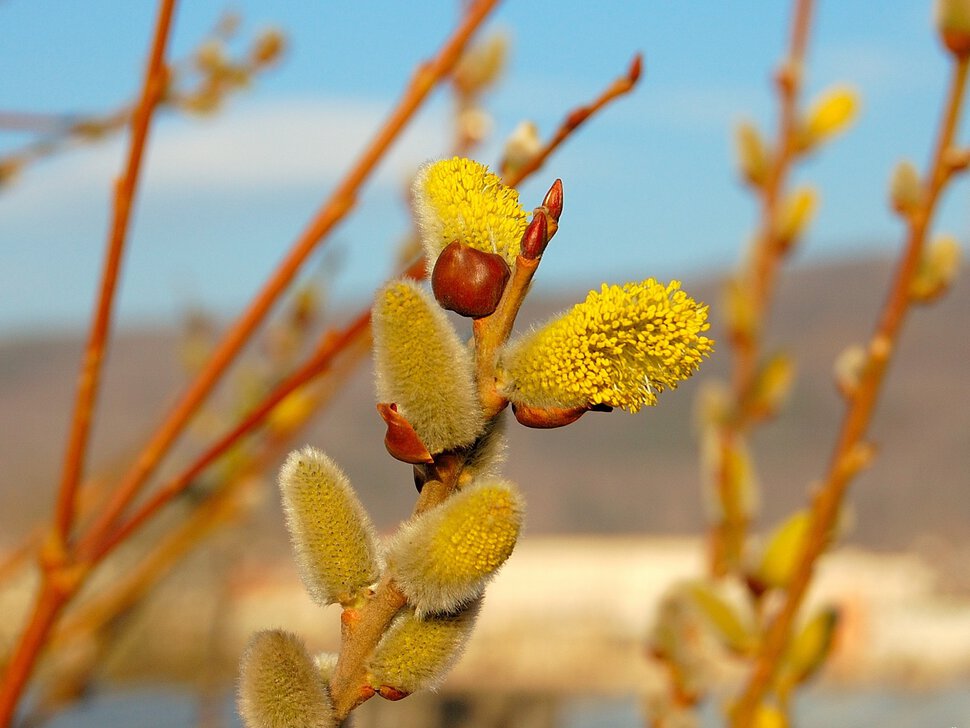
(333, 537)
(620, 347)
(424, 368)
(443, 558)
(460, 199)
(832, 113)
(416, 654)
(280, 686)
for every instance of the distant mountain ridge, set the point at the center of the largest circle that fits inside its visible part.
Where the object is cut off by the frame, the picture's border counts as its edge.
(611, 473)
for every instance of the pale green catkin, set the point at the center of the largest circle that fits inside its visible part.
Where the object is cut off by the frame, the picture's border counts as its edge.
(444, 557)
(280, 686)
(416, 654)
(333, 537)
(424, 368)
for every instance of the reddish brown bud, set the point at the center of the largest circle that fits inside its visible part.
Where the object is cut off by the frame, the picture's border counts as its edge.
(401, 441)
(545, 418)
(389, 693)
(636, 68)
(536, 236)
(469, 281)
(553, 200)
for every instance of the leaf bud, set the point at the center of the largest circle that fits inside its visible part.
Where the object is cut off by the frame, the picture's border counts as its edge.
(752, 154)
(938, 268)
(401, 441)
(536, 236)
(796, 213)
(467, 281)
(553, 201)
(905, 190)
(546, 418)
(953, 22)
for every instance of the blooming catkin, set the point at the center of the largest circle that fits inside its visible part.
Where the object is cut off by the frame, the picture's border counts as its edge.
(423, 367)
(416, 654)
(459, 199)
(620, 348)
(332, 534)
(443, 558)
(280, 685)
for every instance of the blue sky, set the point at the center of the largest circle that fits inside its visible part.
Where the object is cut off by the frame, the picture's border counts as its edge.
(650, 184)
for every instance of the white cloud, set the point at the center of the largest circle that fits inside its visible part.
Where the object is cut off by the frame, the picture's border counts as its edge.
(248, 148)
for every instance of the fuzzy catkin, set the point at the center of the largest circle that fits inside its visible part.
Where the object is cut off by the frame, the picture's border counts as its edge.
(444, 557)
(423, 367)
(280, 686)
(416, 654)
(333, 538)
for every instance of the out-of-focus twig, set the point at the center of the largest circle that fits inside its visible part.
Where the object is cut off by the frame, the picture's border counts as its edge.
(577, 117)
(61, 577)
(337, 206)
(758, 281)
(851, 452)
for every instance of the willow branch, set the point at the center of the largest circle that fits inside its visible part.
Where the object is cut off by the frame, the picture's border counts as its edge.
(60, 578)
(850, 452)
(767, 256)
(341, 201)
(576, 118)
(153, 87)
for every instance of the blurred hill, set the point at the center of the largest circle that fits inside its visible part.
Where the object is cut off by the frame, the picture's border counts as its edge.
(606, 474)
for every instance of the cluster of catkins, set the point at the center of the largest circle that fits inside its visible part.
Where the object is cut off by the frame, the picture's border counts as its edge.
(441, 399)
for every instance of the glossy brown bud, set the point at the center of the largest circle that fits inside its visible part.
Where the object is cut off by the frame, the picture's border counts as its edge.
(401, 441)
(469, 281)
(536, 236)
(553, 200)
(546, 418)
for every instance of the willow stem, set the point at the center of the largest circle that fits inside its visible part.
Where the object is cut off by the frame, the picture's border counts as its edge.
(855, 423)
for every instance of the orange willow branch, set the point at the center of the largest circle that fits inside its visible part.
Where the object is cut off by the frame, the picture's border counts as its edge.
(767, 253)
(848, 455)
(576, 118)
(320, 361)
(331, 346)
(156, 78)
(727, 536)
(340, 203)
(60, 579)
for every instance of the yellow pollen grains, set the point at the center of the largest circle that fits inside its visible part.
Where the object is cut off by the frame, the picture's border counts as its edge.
(280, 685)
(459, 199)
(424, 368)
(619, 348)
(443, 558)
(333, 538)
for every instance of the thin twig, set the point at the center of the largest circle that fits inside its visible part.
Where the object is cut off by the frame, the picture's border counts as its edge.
(339, 204)
(847, 456)
(330, 346)
(60, 580)
(767, 256)
(576, 118)
(126, 187)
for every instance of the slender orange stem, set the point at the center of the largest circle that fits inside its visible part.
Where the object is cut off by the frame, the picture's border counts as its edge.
(330, 347)
(333, 344)
(727, 536)
(125, 190)
(60, 579)
(576, 118)
(855, 423)
(339, 204)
